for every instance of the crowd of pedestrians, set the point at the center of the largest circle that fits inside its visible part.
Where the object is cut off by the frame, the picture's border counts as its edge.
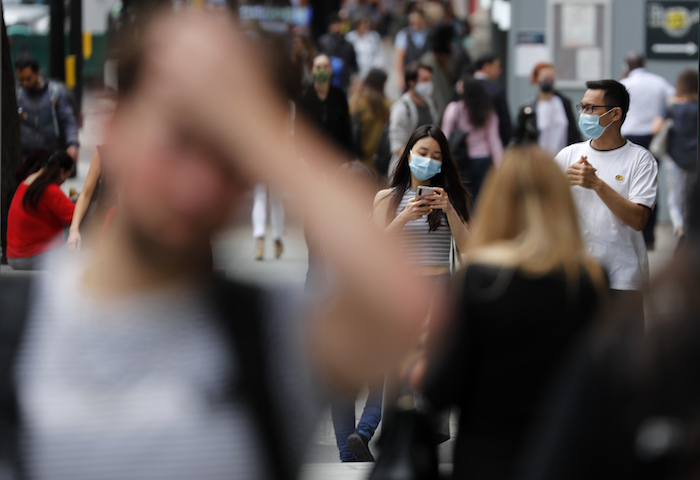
(499, 255)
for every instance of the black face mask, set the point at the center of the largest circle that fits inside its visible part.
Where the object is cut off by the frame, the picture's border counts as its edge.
(546, 87)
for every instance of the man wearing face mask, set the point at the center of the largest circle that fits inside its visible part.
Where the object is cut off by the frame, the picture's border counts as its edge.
(550, 113)
(416, 107)
(614, 186)
(327, 106)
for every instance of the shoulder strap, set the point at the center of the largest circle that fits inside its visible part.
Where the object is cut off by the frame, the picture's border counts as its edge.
(14, 305)
(408, 109)
(55, 91)
(240, 308)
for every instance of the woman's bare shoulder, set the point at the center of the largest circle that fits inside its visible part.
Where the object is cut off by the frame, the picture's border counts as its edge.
(381, 196)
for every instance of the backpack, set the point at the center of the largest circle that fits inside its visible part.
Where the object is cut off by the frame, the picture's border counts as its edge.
(382, 157)
(338, 66)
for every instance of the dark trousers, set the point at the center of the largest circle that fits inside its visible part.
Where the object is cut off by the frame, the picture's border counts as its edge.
(343, 415)
(474, 174)
(648, 231)
(628, 304)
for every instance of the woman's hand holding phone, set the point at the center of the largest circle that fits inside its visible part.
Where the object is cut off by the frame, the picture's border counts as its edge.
(415, 209)
(442, 200)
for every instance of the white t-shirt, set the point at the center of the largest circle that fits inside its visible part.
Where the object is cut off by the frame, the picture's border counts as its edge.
(648, 96)
(631, 171)
(552, 124)
(368, 50)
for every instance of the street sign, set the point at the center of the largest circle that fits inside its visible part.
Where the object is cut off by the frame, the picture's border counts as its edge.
(672, 29)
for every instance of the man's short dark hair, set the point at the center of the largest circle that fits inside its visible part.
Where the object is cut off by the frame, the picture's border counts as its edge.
(440, 38)
(411, 71)
(414, 7)
(333, 18)
(616, 95)
(485, 59)
(27, 61)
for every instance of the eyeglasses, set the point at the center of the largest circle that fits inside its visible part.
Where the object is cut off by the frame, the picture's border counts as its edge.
(589, 108)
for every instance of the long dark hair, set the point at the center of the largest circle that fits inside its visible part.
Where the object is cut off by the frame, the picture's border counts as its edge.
(35, 159)
(448, 178)
(477, 101)
(53, 166)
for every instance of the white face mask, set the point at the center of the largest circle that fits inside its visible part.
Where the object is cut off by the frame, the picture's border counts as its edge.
(424, 89)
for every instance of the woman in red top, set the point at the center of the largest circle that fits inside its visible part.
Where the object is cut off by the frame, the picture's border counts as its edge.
(38, 214)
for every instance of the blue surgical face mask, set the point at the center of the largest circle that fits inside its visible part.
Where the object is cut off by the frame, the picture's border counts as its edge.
(424, 168)
(590, 124)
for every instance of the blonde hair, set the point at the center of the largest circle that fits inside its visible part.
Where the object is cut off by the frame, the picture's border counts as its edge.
(526, 219)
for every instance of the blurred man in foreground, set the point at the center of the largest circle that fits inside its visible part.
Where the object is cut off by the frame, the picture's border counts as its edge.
(133, 361)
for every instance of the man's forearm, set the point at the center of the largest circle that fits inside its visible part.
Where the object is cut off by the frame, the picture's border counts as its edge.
(630, 213)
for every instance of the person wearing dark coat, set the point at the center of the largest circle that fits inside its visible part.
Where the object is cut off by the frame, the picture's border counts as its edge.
(341, 53)
(549, 113)
(327, 106)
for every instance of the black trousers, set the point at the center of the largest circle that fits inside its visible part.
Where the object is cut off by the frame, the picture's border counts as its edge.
(628, 304)
(648, 231)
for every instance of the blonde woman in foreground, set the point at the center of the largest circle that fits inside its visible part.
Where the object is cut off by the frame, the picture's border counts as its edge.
(529, 289)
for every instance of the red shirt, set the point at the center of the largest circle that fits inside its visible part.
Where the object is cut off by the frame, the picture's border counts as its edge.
(32, 232)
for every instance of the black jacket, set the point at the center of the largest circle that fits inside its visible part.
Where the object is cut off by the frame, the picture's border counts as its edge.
(331, 115)
(527, 118)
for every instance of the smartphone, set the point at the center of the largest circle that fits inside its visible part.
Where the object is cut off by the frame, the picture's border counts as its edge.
(424, 192)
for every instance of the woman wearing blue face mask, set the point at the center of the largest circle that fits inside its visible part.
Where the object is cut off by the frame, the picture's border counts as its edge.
(549, 115)
(425, 228)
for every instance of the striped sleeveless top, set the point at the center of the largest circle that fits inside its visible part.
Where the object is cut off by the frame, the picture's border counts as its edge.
(422, 246)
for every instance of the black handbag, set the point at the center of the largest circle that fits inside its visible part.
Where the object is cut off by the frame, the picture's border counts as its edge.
(409, 447)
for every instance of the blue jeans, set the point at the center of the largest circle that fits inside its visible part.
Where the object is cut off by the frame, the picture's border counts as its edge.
(343, 415)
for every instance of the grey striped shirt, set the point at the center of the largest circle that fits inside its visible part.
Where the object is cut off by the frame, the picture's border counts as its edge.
(422, 246)
(135, 389)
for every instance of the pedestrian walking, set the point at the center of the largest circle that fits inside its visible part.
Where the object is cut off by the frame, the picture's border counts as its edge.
(550, 113)
(614, 183)
(626, 403)
(411, 43)
(488, 71)
(262, 196)
(415, 108)
(425, 225)
(526, 293)
(445, 61)
(475, 116)
(47, 119)
(370, 110)
(368, 46)
(353, 435)
(649, 95)
(682, 147)
(327, 106)
(340, 52)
